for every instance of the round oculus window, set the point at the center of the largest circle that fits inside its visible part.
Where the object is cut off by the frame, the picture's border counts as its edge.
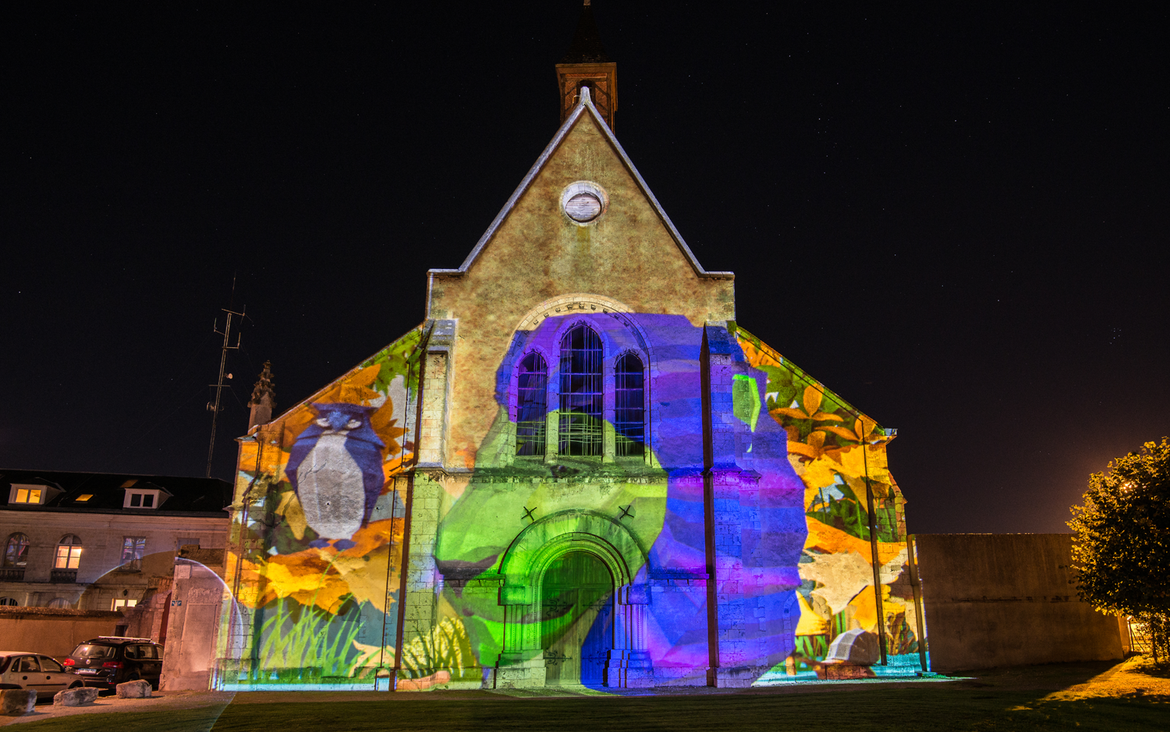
(583, 207)
(583, 201)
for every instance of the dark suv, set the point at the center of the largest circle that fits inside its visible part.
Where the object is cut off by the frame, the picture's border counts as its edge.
(108, 660)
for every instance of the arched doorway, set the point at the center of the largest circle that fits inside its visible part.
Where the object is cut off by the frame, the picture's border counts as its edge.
(576, 623)
(542, 559)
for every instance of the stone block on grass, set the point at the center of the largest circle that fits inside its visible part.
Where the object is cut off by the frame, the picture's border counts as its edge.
(80, 696)
(17, 702)
(133, 690)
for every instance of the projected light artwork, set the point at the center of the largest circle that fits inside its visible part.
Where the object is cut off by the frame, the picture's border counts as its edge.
(543, 565)
(543, 485)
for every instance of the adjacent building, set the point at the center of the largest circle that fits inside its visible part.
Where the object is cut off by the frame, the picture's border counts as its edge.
(101, 542)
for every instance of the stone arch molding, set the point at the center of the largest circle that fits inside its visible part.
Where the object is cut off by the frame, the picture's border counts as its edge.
(521, 661)
(528, 557)
(577, 302)
(582, 303)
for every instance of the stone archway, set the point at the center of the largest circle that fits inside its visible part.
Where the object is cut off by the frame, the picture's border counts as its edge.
(524, 567)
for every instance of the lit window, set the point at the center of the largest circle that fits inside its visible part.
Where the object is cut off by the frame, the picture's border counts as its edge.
(124, 602)
(133, 547)
(630, 406)
(531, 405)
(16, 551)
(68, 553)
(581, 401)
(28, 494)
(84, 497)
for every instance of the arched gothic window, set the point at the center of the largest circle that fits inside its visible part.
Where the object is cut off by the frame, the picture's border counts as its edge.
(68, 553)
(629, 406)
(581, 394)
(16, 551)
(531, 405)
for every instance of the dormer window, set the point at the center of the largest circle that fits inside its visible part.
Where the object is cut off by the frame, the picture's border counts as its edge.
(143, 498)
(28, 494)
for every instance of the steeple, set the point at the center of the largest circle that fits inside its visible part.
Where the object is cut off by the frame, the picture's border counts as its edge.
(263, 401)
(586, 64)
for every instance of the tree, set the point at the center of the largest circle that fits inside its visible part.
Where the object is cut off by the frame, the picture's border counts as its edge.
(1121, 541)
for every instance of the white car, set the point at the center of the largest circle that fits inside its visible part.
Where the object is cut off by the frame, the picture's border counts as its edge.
(25, 670)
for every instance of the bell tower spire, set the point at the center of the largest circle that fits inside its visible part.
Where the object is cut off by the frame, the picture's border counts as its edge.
(586, 64)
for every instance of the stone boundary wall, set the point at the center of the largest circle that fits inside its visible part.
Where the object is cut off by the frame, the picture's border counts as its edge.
(1007, 600)
(53, 631)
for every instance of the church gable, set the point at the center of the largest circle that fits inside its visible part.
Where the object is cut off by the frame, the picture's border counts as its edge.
(537, 260)
(627, 249)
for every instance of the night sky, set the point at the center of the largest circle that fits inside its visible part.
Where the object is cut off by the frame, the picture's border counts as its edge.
(954, 218)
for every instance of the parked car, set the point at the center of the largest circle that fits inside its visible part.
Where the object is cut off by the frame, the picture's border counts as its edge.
(25, 670)
(109, 660)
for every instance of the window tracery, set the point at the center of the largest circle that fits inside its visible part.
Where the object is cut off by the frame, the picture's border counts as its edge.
(629, 406)
(582, 394)
(531, 405)
(600, 403)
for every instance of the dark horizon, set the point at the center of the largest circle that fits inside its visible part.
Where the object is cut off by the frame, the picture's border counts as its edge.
(969, 206)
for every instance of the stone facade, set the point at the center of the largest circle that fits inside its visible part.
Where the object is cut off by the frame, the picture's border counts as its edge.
(579, 468)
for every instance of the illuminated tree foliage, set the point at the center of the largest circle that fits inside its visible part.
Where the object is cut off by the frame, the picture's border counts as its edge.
(1121, 541)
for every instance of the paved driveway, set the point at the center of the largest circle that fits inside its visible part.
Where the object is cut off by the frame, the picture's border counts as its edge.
(161, 700)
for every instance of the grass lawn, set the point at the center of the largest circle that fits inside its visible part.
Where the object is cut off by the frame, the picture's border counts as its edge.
(1102, 696)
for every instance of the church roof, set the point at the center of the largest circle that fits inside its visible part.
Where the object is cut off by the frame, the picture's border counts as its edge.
(586, 46)
(584, 107)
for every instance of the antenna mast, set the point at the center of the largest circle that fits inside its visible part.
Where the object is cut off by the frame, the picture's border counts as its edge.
(218, 386)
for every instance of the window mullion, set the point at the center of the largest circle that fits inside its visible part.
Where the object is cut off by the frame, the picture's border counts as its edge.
(609, 417)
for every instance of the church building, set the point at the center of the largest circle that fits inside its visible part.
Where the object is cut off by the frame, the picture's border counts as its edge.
(580, 468)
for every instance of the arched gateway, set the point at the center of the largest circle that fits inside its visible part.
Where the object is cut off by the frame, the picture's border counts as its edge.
(573, 607)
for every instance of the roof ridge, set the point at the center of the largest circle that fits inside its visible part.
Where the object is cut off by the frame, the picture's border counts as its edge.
(584, 106)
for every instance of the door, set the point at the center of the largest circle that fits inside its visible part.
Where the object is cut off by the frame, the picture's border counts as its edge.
(44, 682)
(55, 675)
(150, 662)
(575, 594)
(26, 671)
